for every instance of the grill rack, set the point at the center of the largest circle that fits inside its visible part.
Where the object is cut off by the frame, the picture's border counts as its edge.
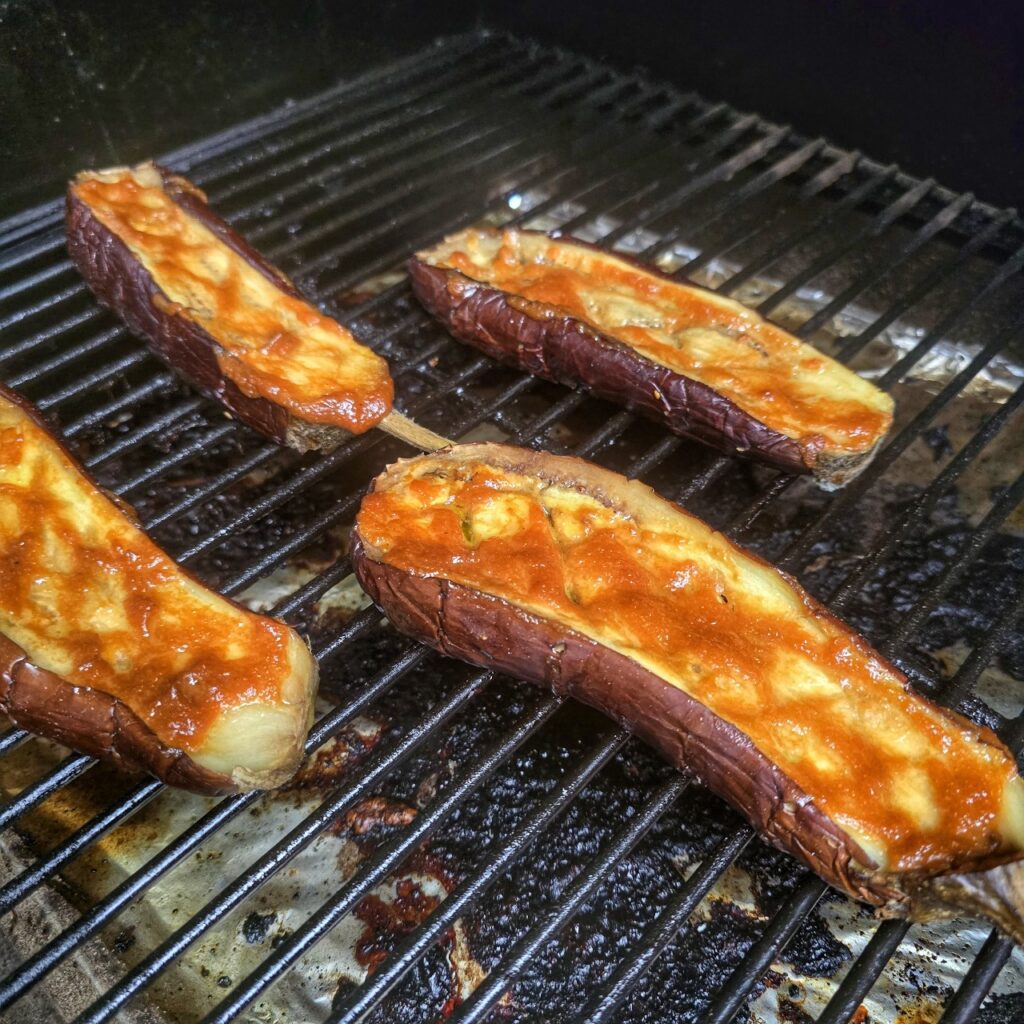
(59, 335)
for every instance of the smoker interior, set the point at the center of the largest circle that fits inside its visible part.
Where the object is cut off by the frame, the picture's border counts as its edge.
(463, 846)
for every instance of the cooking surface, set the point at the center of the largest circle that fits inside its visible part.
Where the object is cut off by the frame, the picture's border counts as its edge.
(543, 851)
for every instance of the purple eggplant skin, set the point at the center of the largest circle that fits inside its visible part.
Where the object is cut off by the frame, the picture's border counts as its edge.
(122, 284)
(100, 724)
(549, 343)
(486, 630)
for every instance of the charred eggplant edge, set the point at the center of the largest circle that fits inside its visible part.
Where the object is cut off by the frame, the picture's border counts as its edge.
(103, 726)
(488, 631)
(122, 284)
(539, 339)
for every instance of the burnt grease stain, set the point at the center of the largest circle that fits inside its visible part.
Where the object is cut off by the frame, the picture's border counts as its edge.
(609, 928)
(256, 926)
(565, 975)
(384, 923)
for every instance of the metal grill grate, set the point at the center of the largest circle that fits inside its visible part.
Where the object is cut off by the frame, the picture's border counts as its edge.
(899, 277)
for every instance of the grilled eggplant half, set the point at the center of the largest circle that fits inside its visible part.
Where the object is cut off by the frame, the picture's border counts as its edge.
(212, 308)
(562, 573)
(108, 646)
(706, 366)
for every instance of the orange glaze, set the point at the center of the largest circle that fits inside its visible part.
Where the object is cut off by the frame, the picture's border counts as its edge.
(761, 373)
(87, 585)
(609, 586)
(284, 350)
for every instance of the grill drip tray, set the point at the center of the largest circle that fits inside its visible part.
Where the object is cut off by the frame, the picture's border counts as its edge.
(464, 846)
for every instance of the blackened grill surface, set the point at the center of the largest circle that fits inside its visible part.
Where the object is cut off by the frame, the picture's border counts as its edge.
(489, 852)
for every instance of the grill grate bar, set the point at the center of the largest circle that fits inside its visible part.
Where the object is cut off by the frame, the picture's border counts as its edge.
(957, 688)
(704, 157)
(93, 380)
(563, 87)
(974, 244)
(231, 141)
(822, 181)
(598, 870)
(657, 938)
(773, 175)
(56, 331)
(892, 213)
(179, 455)
(136, 394)
(861, 977)
(286, 849)
(154, 427)
(408, 952)
(927, 500)
(370, 267)
(955, 569)
(376, 871)
(12, 738)
(763, 953)
(774, 252)
(1006, 271)
(406, 83)
(53, 952)
(897, 446)
(757, 151)
(373, 160)
(19, 887)
(36, 792)
(981, 976)
(942, 220)
(390, 111)
(274, 251)
(16, 317)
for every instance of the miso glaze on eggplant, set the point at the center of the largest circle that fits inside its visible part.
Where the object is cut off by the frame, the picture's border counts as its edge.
(569, 575)
(704, 365)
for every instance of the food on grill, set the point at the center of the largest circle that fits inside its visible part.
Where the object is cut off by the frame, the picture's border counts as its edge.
(708, 367)
(211, 307)
(569, 575)
(108, 646)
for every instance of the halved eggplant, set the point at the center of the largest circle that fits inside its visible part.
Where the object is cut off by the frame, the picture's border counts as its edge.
(704, 365)
(212, 308)
(571, 576)
(108, 646)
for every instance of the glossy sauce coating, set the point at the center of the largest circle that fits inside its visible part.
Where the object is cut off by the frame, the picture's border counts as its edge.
(273, 345)
(784, 383)
(90, 598)
(917, 788)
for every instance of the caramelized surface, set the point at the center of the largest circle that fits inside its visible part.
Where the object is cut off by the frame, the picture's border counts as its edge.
(917, 788)
(779, 380)
(273, 346)
(90, 598)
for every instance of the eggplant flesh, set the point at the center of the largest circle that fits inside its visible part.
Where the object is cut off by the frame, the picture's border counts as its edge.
(108, 646)
(216, 311)
(559, 572)
(702, 364)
